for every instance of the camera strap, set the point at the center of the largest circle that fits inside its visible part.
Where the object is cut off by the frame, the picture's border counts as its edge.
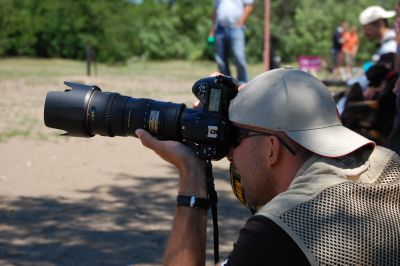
(212, 194)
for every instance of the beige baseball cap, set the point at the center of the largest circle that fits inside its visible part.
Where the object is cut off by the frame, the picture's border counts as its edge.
(373, 13)
(301, 106)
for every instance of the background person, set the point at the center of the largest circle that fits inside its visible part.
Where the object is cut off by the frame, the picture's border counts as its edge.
(350, 49)
(371, 113)
(376, 28)
(229, 20)
(374, 23)
(337, 54)
(311, 183)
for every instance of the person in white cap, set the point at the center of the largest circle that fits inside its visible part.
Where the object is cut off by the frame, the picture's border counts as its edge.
(374, 22)
(320, 193)
(376, 28)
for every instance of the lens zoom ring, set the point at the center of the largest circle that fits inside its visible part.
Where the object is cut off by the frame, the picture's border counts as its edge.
(109, 114)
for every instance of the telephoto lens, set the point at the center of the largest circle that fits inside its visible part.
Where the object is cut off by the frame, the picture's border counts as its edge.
(84, 111)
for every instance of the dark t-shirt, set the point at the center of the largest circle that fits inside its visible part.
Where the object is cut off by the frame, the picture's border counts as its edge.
(387, 107)
(262, 242)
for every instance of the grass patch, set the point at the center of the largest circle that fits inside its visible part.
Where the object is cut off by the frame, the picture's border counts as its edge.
(6, 135)
(14, 68)
(24, 83)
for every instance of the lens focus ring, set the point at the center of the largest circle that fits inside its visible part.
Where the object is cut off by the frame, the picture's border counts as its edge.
(109, 114)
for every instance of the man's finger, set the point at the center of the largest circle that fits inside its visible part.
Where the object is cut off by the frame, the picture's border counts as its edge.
(196, 104)
(215, 73)
(170, 151)
(160, 147)
(146, 139)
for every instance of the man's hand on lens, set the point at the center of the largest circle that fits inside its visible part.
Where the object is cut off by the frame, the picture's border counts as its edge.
(191, 169)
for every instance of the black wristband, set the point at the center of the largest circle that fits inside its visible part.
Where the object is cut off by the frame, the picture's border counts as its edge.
(193, 202)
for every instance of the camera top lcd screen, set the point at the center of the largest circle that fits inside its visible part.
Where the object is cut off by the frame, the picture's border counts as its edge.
(215, 97)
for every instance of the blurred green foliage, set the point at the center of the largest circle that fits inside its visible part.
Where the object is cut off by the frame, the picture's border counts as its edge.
(119, 30)
(312, 23)
(305, 27)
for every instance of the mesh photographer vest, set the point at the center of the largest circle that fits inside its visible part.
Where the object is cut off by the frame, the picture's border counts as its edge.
(343, 212)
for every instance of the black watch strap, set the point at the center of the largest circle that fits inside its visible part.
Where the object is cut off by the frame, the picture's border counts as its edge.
(193, 202)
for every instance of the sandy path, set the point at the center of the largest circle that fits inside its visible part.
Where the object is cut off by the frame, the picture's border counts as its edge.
(98, 201)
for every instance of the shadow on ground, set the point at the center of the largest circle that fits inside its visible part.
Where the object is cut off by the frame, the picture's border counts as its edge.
(113, 225)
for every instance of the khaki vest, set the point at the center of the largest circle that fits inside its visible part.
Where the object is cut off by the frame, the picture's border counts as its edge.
(343, 212)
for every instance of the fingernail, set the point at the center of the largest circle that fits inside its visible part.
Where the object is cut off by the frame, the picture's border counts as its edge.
(138, 132)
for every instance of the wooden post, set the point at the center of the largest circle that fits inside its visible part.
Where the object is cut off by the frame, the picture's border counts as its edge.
(267, 9)
(90, 60)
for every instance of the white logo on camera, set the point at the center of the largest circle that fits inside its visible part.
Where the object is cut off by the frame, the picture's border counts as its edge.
(212, 132)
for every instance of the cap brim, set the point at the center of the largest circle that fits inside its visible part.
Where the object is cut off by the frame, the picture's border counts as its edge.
(390, 14)
(333, 141)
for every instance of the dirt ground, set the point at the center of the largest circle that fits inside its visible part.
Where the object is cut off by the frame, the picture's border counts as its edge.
(97, 201)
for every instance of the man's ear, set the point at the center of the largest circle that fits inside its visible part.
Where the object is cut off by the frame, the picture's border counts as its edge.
(274, 151)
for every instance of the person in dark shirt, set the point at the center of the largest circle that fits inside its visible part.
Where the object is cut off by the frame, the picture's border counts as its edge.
(373, 112)
(311, 183)
(337, 55)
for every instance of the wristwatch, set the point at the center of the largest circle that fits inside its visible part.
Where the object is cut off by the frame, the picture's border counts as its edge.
(193, 202)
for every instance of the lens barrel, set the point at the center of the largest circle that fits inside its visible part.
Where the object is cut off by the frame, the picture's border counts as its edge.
(161, 119)
(85, 111)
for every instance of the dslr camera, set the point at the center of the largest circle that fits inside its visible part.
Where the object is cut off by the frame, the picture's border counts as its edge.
(84, 111)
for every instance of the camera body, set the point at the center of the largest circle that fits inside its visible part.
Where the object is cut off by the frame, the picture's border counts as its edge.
(209, 126)
(84, 111)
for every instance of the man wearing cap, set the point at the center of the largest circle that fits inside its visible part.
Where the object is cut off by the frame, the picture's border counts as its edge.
(374, 22)
(319, 193)
(375, 26)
